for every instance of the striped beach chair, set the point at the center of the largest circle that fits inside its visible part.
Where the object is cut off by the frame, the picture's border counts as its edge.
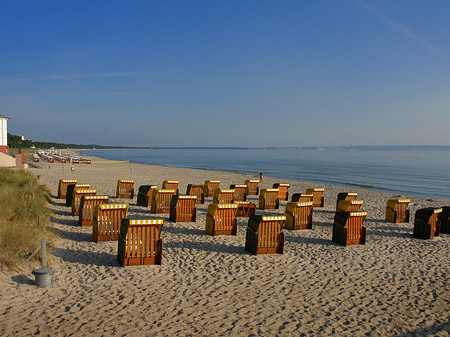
(140, 242)
(71, 188)
(144, 197)
(223, 196)
(397, 210)
(161, 200)
(182, 208)
(210, 186)
(318, 199)
(245, 209)
(264, 235)
(302, 197)
(77, 194)
(171, 185)
(240, 192)
(198, 191)
(268, 198)
(349, 205)
(299, 215)
(283, 194)
(62, 187)
(345, 196)
(348, 228)
(252, 186)
(221, 219)
(125, 189)
(87, 207)
(426, 223)
(107, 220)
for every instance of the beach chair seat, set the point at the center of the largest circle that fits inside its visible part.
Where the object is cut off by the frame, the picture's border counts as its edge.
(144, 197)
(397, 210)
(268, 198)
(252, 187)
(245, 209)
(348, 228)
(77, 194)
(221, 219)
(299, 215)
(426, 223)
(87, 207)
(62, 187)
(171, 185)
(71, 188)
(182, 208)
(283, 194)
(223, 196)
(197, 190)
(302, 197)
(345, 196)
(210, 186)
(125, 189)
(318, 198)
(107, 220)
(140, 242)
(349, 205)
(240, 192)
(264, 235)
(161, 200)
(444, 220)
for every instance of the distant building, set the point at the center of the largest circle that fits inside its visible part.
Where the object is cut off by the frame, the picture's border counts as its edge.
(3, 130)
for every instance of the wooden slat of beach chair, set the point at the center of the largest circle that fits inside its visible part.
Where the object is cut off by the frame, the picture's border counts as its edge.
(197, 190)
(252, 187)
(62, 188)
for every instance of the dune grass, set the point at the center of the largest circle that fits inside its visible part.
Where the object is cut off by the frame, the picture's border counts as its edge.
(24, 216)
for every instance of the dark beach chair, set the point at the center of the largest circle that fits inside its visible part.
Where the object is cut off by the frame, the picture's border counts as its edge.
(71, 188)
(144, 197)
(264, 235)
(62, 187)
(349, 205)
(182, 208)
(444, 220)
(348, 228)
(345, 196)
(302, 197)
(426, 223)
(299, 215)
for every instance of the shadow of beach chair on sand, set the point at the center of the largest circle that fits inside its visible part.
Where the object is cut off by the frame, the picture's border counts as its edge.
(62, 187)
(348, 228)
(299, 215)
(426, 223)
(144, 197)
(107, 220)
(161, 200)
(397, 210)
(264, 235)
(87, 207)
(140, 242)
(182, 208)
(268, 198)
(221, 219)
(125, 189)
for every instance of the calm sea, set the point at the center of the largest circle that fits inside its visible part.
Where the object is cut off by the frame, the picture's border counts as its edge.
(407, 172)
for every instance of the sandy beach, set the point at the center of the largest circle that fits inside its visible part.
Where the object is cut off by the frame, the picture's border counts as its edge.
(394, 285)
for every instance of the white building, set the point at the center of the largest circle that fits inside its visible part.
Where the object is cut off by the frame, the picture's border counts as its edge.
(3, 130)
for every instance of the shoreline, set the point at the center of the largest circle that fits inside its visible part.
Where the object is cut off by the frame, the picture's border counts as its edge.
(393, 285)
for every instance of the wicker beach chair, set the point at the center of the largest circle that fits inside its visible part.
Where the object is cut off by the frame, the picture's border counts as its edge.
(161, 200)
(71, 188)
(77, 194)
(252, 187)
(245, 209)
(283, 194)
(221, 219)
(426, 223)
(62, 187)
(397, 210)
(318, 199)
(197, 190)
(264, 235)
(302, 197)
(299, 215)
(268, 198)
(125, 189)
(444, 220)
(182, 208)
(171, 185)
(223, 196)
(240, 192)
(210, 187)
(107, 220)
(345, 196)
(87, 207)
(140, 242)
(348, 228)
(144, 197)
(349, 205)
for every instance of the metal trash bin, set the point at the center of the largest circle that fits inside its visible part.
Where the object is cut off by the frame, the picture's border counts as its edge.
(43, 277)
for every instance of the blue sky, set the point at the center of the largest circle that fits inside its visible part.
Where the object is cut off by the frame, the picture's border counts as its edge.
(227, 73)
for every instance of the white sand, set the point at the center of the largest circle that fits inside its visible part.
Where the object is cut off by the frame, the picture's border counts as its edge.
(394, 285)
